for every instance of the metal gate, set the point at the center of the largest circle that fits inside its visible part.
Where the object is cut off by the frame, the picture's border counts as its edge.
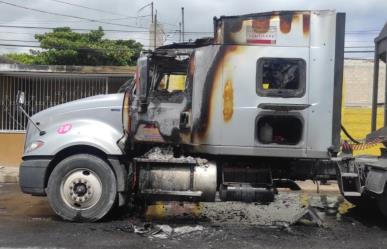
(43, 91)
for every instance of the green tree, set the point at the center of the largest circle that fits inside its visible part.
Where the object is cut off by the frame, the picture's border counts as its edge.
(63, 46)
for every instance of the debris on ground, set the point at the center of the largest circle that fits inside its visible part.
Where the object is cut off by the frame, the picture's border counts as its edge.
(187, 229)
(166, 154)
(165, 231)
(162, 232)
(308, 217)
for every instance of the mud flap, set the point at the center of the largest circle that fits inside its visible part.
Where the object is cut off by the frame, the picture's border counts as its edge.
(121, 174)
(376, 180)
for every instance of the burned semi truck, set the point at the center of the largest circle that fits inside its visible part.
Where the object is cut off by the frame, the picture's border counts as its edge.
(258, 106)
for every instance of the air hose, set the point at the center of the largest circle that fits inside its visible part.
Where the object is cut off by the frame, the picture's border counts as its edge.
(349, 135)
(357, 145)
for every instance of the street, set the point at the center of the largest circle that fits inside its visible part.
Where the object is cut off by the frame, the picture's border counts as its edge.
(28, 222)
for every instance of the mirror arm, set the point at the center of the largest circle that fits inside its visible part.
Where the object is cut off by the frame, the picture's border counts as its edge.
(41, 132)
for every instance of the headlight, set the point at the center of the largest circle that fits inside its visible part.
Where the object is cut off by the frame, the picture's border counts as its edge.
(125, 112)
(34, 145)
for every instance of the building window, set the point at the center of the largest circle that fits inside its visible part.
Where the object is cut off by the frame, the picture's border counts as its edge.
(281, 77)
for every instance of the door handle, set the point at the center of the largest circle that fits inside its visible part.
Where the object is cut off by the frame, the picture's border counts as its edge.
(283, 107)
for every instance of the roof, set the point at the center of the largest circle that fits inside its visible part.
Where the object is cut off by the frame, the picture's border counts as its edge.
(381, 44)
(205, 41)
(107, 70)
(382, 35)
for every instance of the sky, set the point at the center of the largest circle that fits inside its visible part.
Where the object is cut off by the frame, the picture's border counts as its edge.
(131, 18)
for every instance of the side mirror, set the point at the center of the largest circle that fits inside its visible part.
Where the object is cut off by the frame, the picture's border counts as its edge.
(20, 98)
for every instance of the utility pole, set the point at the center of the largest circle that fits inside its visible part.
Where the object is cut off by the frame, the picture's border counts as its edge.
(152, 11)
(155, 31)
(179, 31)
(182, 23)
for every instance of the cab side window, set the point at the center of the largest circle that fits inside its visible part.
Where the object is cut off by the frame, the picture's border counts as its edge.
(281, 77)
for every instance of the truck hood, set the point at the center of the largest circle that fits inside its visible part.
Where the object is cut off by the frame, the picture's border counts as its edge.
(99, 101)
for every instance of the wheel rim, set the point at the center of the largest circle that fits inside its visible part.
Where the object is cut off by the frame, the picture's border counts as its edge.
(81, 189)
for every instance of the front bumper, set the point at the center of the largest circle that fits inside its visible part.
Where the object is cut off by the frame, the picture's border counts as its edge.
(32, 176)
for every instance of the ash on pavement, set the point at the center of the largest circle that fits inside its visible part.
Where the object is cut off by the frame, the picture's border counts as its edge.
(27, 221)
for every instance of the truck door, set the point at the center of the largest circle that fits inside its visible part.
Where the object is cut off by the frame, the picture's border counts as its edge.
(163, 119)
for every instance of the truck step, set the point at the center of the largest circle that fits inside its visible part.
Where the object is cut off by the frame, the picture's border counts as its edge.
(174, 193)
(352, 194)
(350, 184)
(350, 175)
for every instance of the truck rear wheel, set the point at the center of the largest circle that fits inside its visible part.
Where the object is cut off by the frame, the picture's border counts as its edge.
(82, 188)
(362, 202)
(382, 203)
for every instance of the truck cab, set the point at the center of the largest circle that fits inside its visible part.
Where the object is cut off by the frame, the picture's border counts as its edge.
(267, 84)
(252, 109)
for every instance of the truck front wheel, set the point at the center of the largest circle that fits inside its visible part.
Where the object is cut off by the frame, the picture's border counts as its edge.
(82, 188)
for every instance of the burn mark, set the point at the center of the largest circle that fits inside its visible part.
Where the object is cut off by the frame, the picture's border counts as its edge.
(201, 124)
(286, 22)
(235, 25)
(261, 24)
(150, 132)
(228, 101)
(230, 27)
(306, 23)
(190, 80)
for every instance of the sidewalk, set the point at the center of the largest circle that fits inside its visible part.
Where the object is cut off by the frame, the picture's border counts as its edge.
(9, 174)
(309, 186)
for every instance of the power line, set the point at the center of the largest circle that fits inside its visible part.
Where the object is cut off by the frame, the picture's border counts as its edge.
(360, 47)
(78, 49)
(71, 16)
(98, 10)
(360, 41)
(17, 33)
(17, 40)
(107, 30)
(361, 51)
(20, 46)
(50, 21)
(362, 31)
(75, 29)
(108, 12)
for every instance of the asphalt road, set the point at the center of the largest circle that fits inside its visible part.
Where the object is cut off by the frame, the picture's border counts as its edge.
(28, 222)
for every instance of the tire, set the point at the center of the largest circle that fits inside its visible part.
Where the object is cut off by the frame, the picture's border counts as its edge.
(382, 203)
(362, 202)
(82, 188)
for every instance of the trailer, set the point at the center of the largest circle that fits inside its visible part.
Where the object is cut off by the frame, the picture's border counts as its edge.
(232, 117)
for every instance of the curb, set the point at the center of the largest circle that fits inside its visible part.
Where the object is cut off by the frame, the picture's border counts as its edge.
(9, 174)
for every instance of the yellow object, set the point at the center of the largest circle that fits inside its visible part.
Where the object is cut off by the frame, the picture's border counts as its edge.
(344, 206)
(165, 210)
(228, 101)
(265, 86)
(304, 200)
(173, 82)
(357, 121)
(176, 83)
